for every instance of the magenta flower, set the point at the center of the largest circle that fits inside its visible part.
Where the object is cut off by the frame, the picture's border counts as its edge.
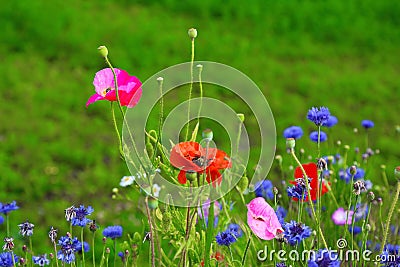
(262, 219)
(340, 215)
(129, 87)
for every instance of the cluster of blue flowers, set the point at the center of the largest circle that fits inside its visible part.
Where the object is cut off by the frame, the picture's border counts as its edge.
(229, 236)
(299, 190)
(324, 258)
(264, 188)
(295, 232)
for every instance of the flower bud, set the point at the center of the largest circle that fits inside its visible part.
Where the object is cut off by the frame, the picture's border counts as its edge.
(397, 173)
(115, 190)
(275, 190)
(200, 67)
(322, 164)
(103, 51)
(397, 127)
(160, 80)
(371, 196)
(347, 147)
(353, 170)
(108, 251)
(383, 167)
(104, 240)
(290, 143)
(240, 117)
(191, 175)
(243, 184)
(126, 252)
(24, 248)
(153, 203)
(51, 255)
(207, 134)
(302, 151)
(380, 201)
(279, 159)
(338, 142)
(192, 32)
(22, 261)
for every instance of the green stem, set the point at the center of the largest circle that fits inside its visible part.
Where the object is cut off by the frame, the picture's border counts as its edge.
(348, 209)
(396, 198)
(8, 225)
(83, 248)
(200, 67)
(94, 258)
(117, 130)
(115, 252)
(190, 89)
(365, 237)
(55, 253)
(153, 262)
(209, 235)
(246, 249)
(309, 197)
(353, 219)
(319, 142)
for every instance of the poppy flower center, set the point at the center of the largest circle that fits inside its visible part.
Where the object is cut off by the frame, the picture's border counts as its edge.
(201, 161)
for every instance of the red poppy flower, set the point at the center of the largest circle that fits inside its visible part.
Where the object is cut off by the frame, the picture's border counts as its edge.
(312, 172)
(217, 255)
(191, 156)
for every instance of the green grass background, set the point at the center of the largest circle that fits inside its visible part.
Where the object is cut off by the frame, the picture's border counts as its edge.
(55, 152)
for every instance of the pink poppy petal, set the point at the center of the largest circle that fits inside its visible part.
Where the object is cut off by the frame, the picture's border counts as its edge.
(262, 219)
(104, 79)
(93, 99)
(135, 98)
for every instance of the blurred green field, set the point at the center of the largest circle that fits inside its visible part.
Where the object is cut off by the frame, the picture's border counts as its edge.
(55, 152)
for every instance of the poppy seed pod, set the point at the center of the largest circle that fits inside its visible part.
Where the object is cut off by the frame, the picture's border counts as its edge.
(192, 32)
(290, 143)
(103, 51)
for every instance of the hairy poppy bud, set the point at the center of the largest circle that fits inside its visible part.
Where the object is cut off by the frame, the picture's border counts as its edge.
(290, 143)
(103, 51)
(192, 32)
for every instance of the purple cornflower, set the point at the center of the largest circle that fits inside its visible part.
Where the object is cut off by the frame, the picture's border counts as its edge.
(367, 124)
(53, 234)
(299, 190)
(281, 264)
(122, 256)
(26, 228)
(8, 243)
(332, 121)
(390, 257)
(319, 116)
(70, 213)
(356, 230)
(346, 175)
(314, 136)
(1, 220)
(205, 210)
(225, 238)
(295, 232)
(113, 232)
(67, 252)
(40, 260)
(281, 214)
(293, 132)
(8, 207)
(235, 230)
(80, 216)
(264, 188)
(6, 259)
(78, 246)
(324, 258)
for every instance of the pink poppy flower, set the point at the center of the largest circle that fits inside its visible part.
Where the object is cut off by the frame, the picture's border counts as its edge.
(262, 219)
(340, 215)
(129, 87)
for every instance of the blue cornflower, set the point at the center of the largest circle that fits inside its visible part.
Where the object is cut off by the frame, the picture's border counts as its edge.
(26, 228)
(361, 211)
(8, 207)
(298, 190)
(67, 252)
(314, 136)
(281, 213)
(80, 216)
(356, 230)
(332, 121)
(281, 264)
(319, 116)
(40, 260)
(295, 232)
(6, 259)
(264, 188)
(393, 229)
(113, 232)
(359, 174)
(293, 132)
(122, 256)
(367, 124)
(1, 220)
(324, 258)
(235, 230)
(78, 246)
(390, 259)
(225, 238)
(330, 160)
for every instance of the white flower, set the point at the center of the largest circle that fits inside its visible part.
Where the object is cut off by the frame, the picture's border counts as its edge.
(127, 180)
(156, 190)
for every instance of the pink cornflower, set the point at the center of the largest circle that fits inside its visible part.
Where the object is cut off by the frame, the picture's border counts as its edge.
(262, 219)
(129, 87)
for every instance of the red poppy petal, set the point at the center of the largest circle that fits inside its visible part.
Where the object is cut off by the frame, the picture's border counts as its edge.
(310, 168)
(182, 177)
(214, 176)
(182, 155)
